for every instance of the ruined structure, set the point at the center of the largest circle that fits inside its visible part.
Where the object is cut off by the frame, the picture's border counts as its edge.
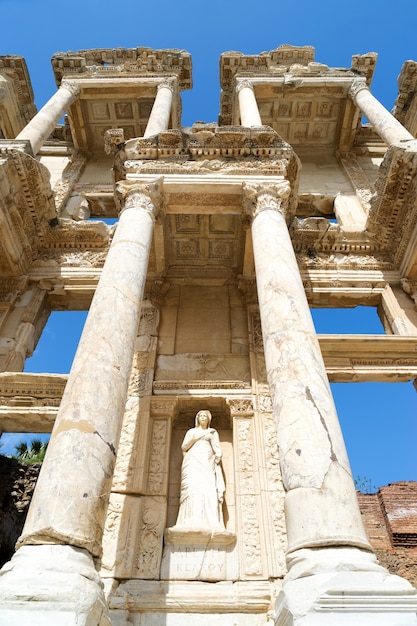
(199, 299)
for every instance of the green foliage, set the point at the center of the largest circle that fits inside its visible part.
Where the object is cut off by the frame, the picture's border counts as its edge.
(365, 485)
(33, 454)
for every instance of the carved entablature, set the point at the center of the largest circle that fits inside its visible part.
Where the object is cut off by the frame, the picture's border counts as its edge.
(306, 102)
(30, 389)
(16, 95)
(316, 234)
(365, 64)
(209, 141)
(102, 62)
(27, 208)
(393, 214)
(78, 235)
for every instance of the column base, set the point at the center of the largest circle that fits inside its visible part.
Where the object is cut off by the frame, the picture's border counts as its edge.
(47, 585)
(343, 586)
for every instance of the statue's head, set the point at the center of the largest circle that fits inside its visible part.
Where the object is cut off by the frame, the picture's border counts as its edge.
(202, 413)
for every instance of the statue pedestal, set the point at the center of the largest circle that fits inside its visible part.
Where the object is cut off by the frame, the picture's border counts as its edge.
(199, 554)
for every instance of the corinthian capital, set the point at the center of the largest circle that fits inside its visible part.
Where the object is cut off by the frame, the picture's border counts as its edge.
(72, 86)
(135, 195)
(357, 85)
(243, 84)
(260, 197)
(168, 83)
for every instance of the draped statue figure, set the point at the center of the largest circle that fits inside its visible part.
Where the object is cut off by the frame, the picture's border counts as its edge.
(202, 484)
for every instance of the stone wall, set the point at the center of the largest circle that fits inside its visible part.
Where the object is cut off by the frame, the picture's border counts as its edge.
(390, 518)
(17, 483)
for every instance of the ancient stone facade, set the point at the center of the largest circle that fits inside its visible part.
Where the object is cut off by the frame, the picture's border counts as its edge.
(199, 299)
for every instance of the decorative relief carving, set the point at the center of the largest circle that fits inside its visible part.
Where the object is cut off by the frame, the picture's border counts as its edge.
(132, 541)
(202, 367)
(149, 544)
(264, 404)
(162, 406)
(273, 167)
(71, 174)
(240, 406)
(141, 384)
(364, 189)
(250, 533)
(75, 258)
(157, 476)
(172, 386)
(257, 338)
(149, 320)
(276, 490)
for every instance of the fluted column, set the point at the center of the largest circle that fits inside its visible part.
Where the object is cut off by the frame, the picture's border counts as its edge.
(44, 122)
(161, 109)
(248, 107)
(70, 501)
(321, 507)
(384, 123)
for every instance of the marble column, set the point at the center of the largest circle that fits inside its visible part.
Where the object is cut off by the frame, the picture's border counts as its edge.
(70, 501)
(44, 122)
(385, 124)
(161, 110)
(321, 506)
(248, 107)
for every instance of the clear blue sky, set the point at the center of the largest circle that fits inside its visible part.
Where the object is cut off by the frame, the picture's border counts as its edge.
(379, 421)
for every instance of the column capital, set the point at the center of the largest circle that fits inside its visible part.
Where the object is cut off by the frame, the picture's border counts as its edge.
(243, 84)
(258, 197)
(138, 195)
(167, 83)
(72, 86)
(357, 85)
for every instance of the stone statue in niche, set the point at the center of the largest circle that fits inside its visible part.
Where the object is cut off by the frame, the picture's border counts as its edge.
(202, 483)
